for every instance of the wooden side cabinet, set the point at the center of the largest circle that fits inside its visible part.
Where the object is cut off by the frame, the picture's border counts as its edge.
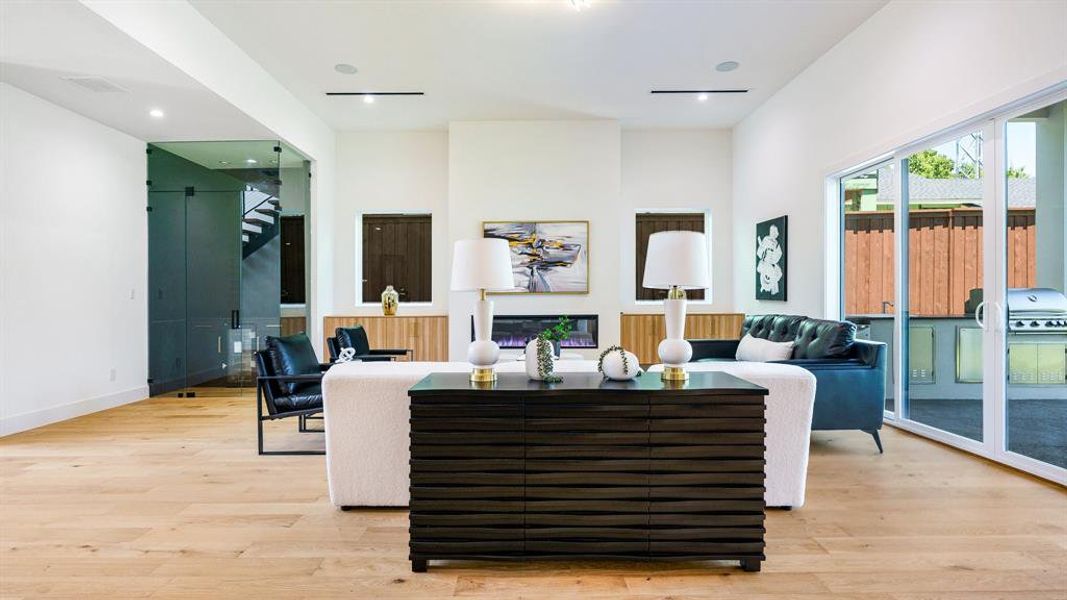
(587, 469)
(425, 335)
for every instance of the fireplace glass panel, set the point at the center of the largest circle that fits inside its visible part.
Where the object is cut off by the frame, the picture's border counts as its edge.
(515, 331)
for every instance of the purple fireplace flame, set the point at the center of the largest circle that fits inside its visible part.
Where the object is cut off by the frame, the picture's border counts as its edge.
(515, 331)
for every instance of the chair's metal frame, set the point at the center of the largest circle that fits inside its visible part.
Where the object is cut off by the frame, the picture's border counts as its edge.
(261, 383)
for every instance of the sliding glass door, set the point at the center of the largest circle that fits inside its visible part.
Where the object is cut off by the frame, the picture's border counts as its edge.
(868, 264)
(944, 291)
(1033, 419)
(970, 296)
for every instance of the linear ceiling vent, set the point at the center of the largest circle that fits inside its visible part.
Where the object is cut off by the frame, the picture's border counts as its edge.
(96, 84)
(737, 91)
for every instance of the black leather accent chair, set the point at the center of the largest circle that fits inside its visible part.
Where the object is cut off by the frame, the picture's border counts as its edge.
(289, 385)
(849, 373)
(356, 338)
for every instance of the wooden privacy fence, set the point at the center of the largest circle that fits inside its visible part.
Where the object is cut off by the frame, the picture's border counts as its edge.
(944, 258)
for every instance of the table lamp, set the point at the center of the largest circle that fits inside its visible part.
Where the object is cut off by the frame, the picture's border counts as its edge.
(482, 265)
(676, 261)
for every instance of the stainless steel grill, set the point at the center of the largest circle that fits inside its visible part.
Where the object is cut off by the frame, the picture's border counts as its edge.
(1037, 310)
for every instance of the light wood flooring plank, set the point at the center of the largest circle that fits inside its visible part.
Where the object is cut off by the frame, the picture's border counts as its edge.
(167, 498)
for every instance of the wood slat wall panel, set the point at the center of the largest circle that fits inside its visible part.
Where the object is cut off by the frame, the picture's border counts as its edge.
(426, 336)
(396, 252)
(642, 333)
(292, 260)
(648, 223)
(291, 325)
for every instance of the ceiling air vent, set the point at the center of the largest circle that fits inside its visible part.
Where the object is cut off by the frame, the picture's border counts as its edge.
(98, 85)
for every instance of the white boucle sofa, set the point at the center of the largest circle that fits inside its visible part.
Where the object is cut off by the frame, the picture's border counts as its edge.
(366, 409)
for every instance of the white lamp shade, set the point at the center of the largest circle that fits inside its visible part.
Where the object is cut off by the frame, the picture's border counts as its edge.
(481, 264)
(676, 258)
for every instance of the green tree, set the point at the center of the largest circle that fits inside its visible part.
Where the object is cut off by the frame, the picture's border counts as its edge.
(1018, 173)
(931, 164)
(966, 171)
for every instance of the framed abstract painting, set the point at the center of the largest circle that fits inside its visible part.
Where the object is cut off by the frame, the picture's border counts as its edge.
(547, 257)
(771, 267)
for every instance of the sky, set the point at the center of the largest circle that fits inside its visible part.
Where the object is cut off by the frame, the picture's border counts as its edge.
(1022, 146)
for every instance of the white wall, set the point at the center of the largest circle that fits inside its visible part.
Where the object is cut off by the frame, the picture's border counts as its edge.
(394, 171)
(679, 169)
(912, 69)
(539, 170)
(73, 264)
(179, 34)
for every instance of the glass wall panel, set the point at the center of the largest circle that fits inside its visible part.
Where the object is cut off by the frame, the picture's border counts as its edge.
(295, 236)
(166, 282)
(213, 263)
(944, 199)
(868, 256)
(1036, 404)
(213, 269)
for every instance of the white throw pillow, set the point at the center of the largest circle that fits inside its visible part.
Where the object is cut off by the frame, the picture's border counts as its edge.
(754, 349)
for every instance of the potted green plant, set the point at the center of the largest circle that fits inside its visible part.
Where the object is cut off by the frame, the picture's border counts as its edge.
(540, 363)
(557, 333)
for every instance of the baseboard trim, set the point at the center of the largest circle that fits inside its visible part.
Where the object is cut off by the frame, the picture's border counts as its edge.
(47, 416)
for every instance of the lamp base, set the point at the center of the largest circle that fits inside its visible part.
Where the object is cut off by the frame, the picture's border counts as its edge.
(483, 375)
(674, 374)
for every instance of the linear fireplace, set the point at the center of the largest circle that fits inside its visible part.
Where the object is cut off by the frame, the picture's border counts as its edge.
(515, 331)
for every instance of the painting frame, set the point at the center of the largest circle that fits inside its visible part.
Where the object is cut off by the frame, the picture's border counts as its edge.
(583, 255)
(771, 259)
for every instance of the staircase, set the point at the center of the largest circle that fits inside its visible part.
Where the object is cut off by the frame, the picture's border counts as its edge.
(260, 220)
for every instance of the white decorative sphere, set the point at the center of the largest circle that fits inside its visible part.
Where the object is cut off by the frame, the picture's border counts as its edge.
(531, 360)
(483, 353)
(675, 351)
(613, 366)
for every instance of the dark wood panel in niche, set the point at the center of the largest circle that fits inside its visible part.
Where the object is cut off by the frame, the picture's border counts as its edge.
(586, 469)
(397, 251)
(649, 223)
(292, 260)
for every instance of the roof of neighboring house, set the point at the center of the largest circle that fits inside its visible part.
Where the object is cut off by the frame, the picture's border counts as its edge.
(1022, 193)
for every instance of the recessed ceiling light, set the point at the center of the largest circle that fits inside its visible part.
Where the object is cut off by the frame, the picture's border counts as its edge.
(251, 161)
(345, 69)
(368, 99)
(224, 162)
(703, 97)
(580, 5)
(156, 113)
(729, 65)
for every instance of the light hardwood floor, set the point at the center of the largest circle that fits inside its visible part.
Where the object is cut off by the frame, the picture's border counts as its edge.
(167, 498)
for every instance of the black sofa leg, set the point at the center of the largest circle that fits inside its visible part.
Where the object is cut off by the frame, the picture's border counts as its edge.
(877, 440)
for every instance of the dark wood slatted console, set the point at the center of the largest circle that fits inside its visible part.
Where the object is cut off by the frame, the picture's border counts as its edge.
(587, 469)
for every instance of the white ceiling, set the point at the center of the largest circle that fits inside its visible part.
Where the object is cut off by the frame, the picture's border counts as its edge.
(42, 42)
(485, 60)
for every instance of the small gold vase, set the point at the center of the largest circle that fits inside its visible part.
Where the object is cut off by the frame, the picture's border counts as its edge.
(390, 301)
